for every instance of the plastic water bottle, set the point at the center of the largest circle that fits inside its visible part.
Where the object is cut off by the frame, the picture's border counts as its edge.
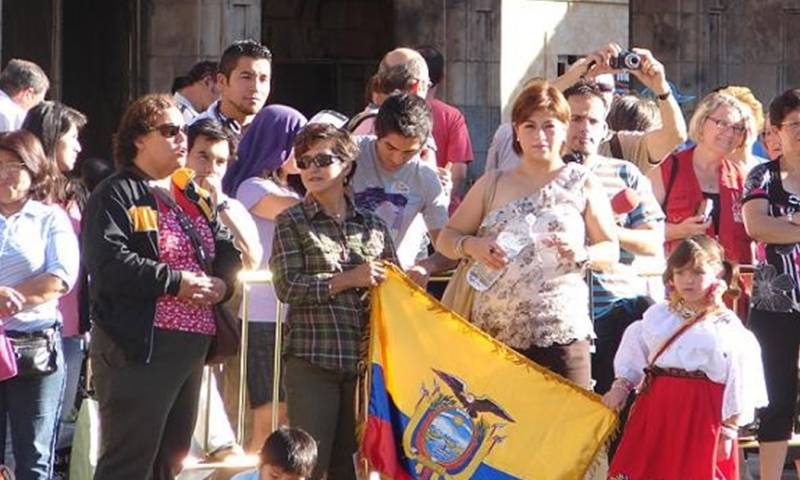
(512, 240)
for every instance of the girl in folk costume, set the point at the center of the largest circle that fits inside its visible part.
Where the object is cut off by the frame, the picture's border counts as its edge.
(698, 372)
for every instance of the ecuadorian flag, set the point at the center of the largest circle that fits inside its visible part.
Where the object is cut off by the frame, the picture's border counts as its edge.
(446, 401)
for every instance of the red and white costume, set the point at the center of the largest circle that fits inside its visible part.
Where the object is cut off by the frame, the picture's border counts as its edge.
(674, 426)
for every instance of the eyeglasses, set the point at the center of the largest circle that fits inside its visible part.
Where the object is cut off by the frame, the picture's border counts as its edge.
(725, 125)
(11, 167)
(321, 160)
(169, 130)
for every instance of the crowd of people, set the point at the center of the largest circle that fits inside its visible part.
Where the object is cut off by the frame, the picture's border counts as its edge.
(604, 242)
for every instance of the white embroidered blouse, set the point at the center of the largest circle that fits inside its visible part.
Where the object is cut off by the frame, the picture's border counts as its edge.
(719, 345)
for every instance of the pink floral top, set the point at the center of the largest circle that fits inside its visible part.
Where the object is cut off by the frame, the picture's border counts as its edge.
(176, 250)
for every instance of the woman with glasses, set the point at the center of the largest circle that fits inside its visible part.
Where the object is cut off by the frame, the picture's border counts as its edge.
(38, 264)
(326, 254)
(700, 188)
(770, 205)
(158, 262)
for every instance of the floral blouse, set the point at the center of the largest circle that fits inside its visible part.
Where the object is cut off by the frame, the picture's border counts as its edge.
(777, 276)
(542, 297)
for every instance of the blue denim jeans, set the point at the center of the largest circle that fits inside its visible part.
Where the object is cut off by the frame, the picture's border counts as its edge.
(33, 407)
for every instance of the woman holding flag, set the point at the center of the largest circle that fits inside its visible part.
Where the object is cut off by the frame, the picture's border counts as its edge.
(531, 231)
(326, 254)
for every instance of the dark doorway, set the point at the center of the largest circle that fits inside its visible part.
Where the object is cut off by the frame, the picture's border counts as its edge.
(325, 50)
(89, 50)
(28, 32)
(100, 68)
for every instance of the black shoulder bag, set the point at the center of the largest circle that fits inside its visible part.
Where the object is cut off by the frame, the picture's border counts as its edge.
(228, 337)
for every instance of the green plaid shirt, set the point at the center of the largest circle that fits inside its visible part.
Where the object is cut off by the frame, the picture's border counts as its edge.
(308, 249)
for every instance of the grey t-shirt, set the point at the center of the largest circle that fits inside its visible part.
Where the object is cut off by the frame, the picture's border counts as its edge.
(410, 200)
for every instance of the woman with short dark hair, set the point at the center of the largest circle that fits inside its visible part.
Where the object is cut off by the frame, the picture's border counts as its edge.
(326, 255)
(159, 262)
(770, 204)
(39, 258)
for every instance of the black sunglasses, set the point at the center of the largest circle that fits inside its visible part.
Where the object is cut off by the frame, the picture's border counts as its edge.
(169, 130)
(321, 160)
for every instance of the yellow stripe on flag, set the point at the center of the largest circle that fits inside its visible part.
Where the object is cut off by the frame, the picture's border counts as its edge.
(470, 403)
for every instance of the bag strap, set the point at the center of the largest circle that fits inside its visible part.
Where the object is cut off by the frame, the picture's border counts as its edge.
(200, 252)
(358, 119)
(615, 146)
(491, 189)
(673, 174)
(680, 331)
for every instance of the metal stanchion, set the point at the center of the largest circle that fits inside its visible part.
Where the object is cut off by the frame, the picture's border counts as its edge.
(247, 278)
(276, 370)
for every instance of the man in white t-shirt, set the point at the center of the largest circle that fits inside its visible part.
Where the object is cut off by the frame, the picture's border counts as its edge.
(210, 149)
(393, 181)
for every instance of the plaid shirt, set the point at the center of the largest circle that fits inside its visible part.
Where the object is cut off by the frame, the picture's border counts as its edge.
(308, 249)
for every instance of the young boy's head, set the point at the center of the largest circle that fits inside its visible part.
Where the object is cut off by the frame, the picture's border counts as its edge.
(288, 454)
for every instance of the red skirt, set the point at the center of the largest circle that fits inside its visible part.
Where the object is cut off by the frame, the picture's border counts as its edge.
(672, 434)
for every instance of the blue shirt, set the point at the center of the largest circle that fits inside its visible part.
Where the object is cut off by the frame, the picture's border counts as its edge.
(37, 239)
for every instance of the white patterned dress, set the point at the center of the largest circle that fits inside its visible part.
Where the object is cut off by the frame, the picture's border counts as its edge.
(542, 298)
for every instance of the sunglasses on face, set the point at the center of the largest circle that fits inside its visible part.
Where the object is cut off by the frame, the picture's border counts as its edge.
(321, 160)
(169, 130)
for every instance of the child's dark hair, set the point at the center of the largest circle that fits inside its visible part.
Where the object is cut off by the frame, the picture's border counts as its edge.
(292, 450)
(698, 250)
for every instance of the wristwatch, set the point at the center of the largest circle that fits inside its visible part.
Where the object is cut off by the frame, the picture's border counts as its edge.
(222, 206)
(664, 96)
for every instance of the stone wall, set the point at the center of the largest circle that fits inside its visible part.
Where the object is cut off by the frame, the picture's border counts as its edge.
(708, 43)
(467, 32)
(183, 32)
(536, 32)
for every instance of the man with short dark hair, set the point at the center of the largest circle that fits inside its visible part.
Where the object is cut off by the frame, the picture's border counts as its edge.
(245, 71)
(197, 90)
(23, 84)
(453, 146)
(619, 294)
(210, 149)
(394, 182)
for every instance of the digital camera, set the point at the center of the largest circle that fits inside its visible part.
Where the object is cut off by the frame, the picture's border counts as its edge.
(627, 60)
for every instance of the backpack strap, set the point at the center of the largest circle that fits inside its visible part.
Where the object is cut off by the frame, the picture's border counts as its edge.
(358, 119)
(673, 174)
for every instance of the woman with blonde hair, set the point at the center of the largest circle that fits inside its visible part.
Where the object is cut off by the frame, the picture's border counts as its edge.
(561, 222)
(700, 188)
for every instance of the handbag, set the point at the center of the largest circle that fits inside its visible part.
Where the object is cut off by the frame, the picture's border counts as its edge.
(8, 361)
(225, 342)
(35, 353)
(458, 295)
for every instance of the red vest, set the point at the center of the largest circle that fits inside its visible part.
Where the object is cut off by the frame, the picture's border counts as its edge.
(685, 196)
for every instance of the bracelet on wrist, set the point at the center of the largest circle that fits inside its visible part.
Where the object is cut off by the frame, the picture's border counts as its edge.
(459, 249)
(622, 383)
